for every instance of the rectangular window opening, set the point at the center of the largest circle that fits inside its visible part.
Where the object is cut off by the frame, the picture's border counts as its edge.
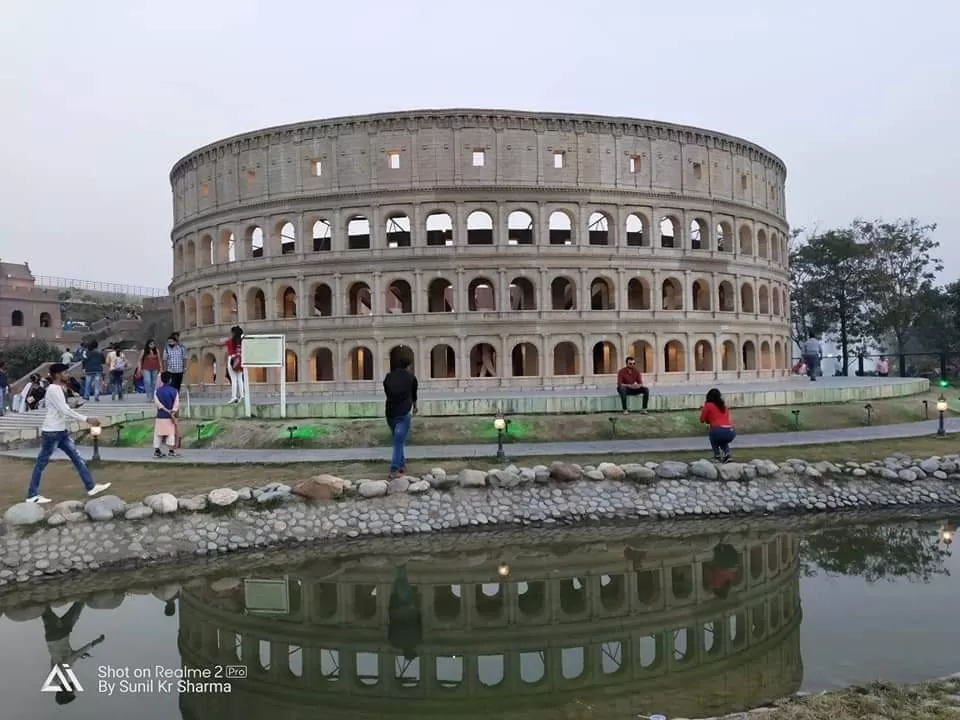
(743, 181)
(204, 189)
(251, 177)
(318, 168)
(558, 160)
(479, 158)
(697, 171)
(393, 159)
(636, 163)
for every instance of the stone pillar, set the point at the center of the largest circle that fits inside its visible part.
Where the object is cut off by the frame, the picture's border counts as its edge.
(418, 304)
(461, 303)
(377, 304)
(501, 301)
(545, 301)
(303, 302)
(339, 301)
(216, 305)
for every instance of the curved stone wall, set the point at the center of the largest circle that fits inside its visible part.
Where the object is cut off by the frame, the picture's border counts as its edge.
(621, 629)
(506, 248)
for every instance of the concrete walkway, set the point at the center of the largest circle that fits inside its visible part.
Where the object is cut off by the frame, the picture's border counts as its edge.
(518, 450)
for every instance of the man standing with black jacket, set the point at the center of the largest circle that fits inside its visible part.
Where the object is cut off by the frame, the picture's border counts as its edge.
(400, 388)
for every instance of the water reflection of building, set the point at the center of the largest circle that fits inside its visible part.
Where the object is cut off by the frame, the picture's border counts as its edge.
(592, 628)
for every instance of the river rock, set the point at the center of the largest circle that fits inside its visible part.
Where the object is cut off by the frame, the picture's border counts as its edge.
(704, 469)
(24, 514)
(562, 472)
(418, 487)
(223, 497)
(197, 503)
(161, 503)
(930, 465)
(611, 471)
(104, 508)
(137, 511)
(397, 485)
(671, 469)
(472, 478)
(636, 472)
(372, 488)
(320, 487)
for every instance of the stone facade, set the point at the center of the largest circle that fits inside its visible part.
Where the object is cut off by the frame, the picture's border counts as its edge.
(508, 249)
(27, 311)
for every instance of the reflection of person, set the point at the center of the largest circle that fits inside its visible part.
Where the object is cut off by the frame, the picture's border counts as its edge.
(56, 631)
(405, 624)
(722, 569)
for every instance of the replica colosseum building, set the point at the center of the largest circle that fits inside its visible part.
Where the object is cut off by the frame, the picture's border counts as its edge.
(508, 249)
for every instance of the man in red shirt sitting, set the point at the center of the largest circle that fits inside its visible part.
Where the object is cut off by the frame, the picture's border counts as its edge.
(630, 382)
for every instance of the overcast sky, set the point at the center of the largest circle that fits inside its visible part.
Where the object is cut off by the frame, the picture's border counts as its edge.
(98, 99)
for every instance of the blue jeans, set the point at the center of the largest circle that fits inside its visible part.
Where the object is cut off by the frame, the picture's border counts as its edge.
(399, 428)
(116, 384)
(92, 381)
(720, 439)
(50, 441)
(3, 399)
(150, 383)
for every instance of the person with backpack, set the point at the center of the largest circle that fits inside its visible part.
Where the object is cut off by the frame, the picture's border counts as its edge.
(117, 364)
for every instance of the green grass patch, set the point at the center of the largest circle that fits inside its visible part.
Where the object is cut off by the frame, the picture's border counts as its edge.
(134, 434)
(302, 432)
(516, 431)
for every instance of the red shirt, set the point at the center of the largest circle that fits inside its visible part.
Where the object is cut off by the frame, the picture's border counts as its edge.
(150, 362)
(629, 376)
(234, 351)
(715, 417)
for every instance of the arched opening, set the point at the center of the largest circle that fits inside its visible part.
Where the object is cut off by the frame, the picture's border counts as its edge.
(746, 298)
(288, 239)
(749, 355)
(209, 369)
(191, 256)
(46, 321)
(440, 296)
(322, 361)
(777, 355)
(398, 231)
(398, 297)
(764, 300)
(206, 309)
(287, 302)
(671, 294)
(358, 233)
(724, 237)
(636, 237)
(598, 229)
(481, 296)
(519, 228)
(701, 295)
(229, 308)
(762, 250)
(227, 247)
(443, 362)
(525, 360)
(479, 228)
(566, 359)
(291, 366)
(766, 357)
(699, 235)
(181, 314)
(642, 353)
(775, 247)
(725, 297)
(605, 358)
(668, 233)
(776, 301)
(359, 301)
(638, 294)
(523, 295)
(703, 356)
(256, 304)
(192, 311)
(746, 240)
(602, 295)
(179, 266)
(483, 360)
(439, 229)
(322, 300)
(360, 364)
(674, 357)
(16, 318)
(322, 235)
(728, 356)
(560, 228)
(207, 256)
(563, 294)
(193, 371)
(254, 242)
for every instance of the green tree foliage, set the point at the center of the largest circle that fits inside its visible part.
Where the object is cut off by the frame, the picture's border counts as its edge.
(21, 359)
(876, 552)
(937, 326)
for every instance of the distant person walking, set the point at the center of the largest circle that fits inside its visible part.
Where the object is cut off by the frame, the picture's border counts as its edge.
(716, 415)
(67, 357)
(234, 346)
(400, 388)
(167, 401)
(117, 364)
(54, 434)
(4, 387)
(149, 368)
(883, 367)
(92, 361)
(175, 360)
(812, 352)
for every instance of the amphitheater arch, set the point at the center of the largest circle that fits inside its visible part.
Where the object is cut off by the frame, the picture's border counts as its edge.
(207, 248)
(724, 235)
(642, 353)
(481, 295)
(566, 358)
(763, 299)
(746, 240)
(179, 264)
(777, 355)
(525, 360)
(322, 364)
(321, 300)
(598, 229)
(749, 355)
(398, 230)
(191, 256)
(726, 297)
(703, 356)
(16, 317)
(440, 296)
(762, 249)
(484, 360)
(287, 301)
(439, 229)
(291, 366)
(563, 294)
(670, 236)
(209, 369)
(191, 311)
(702, 294)
(287, 237)
(398, 297)
(359, 299)
(776, 301)
(674, 357)
(321, 235)
(560, 228)
(256, 304)
(254, 242)
(520, 228)
(226, 247)
(523, 294)
(360, 363)
(207, 313)
(229, 308)
(699, 234)
(479, 228)
(638, 294)
(728, 356)
(443, 362)
(45, 319)
(605, 360)
(194, 370)
(358, 233)
(766, 357)
(775, 247)
(671, 294)
(603, 294)
(636, 230)
(746, 299)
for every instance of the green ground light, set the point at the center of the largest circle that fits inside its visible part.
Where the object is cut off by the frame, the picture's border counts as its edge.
(484, 430)
(136, 434)
(208, 431)
(302, 432)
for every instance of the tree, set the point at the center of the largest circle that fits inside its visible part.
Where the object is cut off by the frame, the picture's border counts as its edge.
(21, 359)
(832, 278)
(902, 270)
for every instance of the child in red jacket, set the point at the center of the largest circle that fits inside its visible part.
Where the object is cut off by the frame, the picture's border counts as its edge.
(716, 415)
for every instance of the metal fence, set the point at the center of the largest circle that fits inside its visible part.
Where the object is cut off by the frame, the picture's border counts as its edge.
(130, 291)
(936, 367)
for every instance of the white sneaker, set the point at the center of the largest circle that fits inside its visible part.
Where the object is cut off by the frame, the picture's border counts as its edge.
(97, 489)
(38, 500)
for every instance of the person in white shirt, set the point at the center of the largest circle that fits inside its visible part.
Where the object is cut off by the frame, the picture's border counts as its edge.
(54, 434)
(56, 631)
(67, 357)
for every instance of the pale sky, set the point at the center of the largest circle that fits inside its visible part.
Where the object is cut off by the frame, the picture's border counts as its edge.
(98, 99)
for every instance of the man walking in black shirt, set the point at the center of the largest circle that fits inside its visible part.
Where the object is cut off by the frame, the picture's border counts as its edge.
(400, 388)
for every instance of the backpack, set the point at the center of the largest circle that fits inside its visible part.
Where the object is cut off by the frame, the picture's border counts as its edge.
(119, 363)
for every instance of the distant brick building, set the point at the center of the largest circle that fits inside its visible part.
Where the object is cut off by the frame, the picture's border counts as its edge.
(26, 310)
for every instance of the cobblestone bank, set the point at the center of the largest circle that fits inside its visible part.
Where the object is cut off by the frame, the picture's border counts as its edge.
(108, 532)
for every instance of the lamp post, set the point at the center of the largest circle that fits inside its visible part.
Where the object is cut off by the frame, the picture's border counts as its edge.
(500, 425)
(200, 428)
(291, 429)
(119, 431)
(941, 409)
(95, 434)
(946, 532)
(796, 419)
(869, 408)
(926, 410)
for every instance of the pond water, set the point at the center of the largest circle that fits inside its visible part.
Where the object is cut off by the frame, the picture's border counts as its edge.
(698, 627)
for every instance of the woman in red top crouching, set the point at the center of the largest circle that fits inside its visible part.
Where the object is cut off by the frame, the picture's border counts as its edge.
(716, 415)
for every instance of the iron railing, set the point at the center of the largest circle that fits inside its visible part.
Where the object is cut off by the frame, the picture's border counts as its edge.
(130, 291)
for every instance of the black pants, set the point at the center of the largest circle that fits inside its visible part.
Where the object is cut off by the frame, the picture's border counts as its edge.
(176, 379)
(643, 392)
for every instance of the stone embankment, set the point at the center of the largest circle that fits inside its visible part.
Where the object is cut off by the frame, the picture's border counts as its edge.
(109, 532)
